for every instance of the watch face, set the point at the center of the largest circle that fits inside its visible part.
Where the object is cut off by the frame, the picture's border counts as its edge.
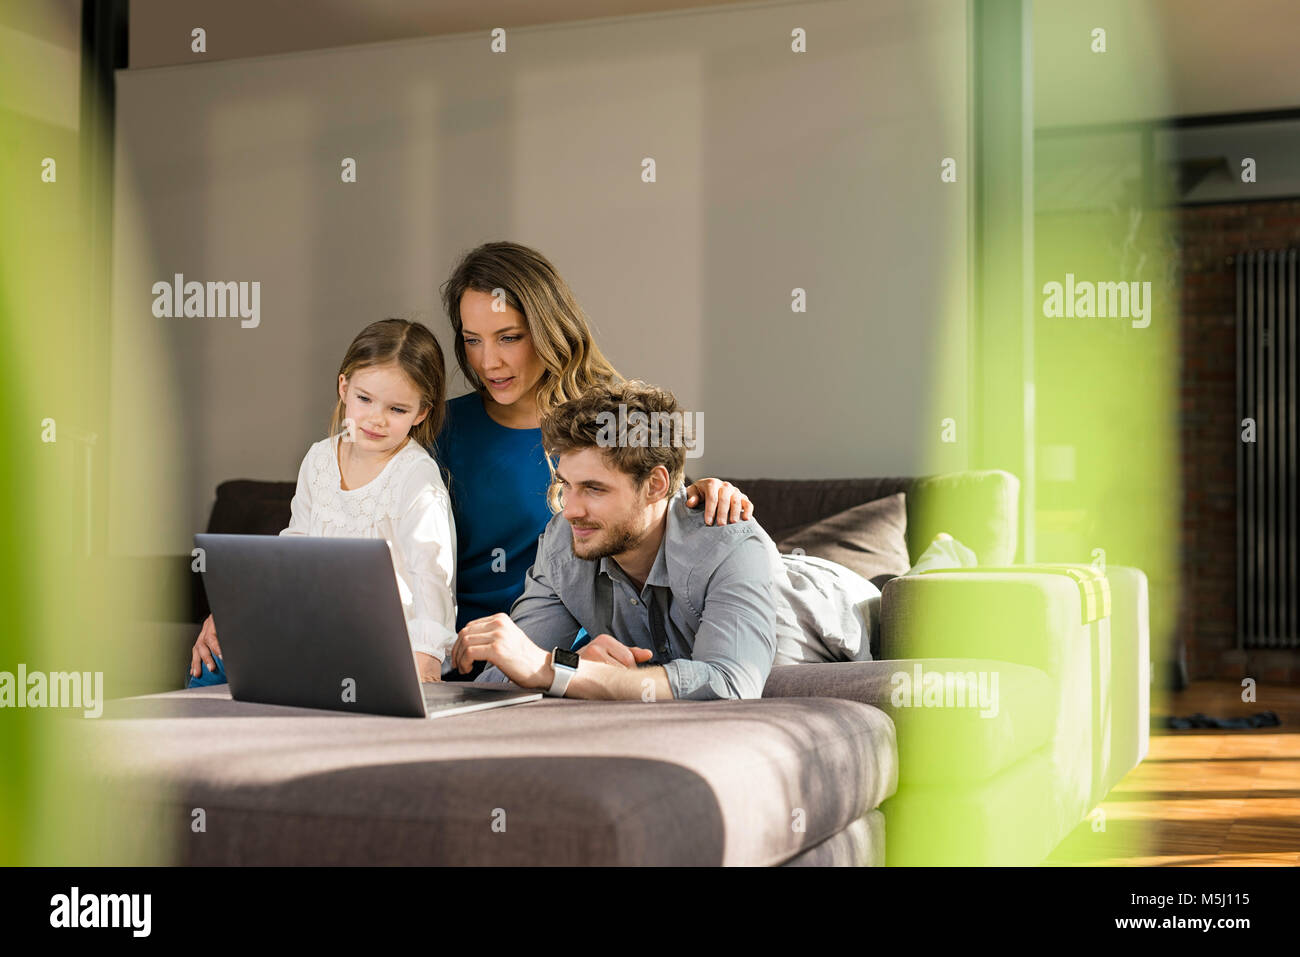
(566, 659)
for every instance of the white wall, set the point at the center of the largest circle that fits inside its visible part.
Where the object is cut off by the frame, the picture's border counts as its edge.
(1163, 58)
(775, 170)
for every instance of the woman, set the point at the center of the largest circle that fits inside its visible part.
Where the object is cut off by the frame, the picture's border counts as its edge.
(524, 346)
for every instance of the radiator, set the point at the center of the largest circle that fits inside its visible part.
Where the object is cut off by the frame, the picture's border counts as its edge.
(1266, 468)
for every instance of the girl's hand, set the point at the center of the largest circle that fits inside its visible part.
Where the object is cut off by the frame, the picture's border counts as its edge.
(430, 668)
(722, 500)
(204, 648)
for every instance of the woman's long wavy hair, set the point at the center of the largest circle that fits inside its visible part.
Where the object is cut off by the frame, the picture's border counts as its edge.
(557, 326)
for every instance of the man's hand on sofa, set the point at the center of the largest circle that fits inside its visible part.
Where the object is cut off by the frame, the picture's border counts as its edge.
(204, 648)
(611, 651)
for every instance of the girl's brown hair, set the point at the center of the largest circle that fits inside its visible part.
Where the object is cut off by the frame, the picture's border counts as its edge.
(560, 333)
(415, 350)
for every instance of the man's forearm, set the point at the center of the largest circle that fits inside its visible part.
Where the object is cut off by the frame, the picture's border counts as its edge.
(598, 680)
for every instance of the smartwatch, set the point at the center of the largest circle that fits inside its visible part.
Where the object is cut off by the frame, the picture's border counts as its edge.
(565, 665)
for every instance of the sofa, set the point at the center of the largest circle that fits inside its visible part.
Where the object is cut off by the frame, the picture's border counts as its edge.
(833, 765)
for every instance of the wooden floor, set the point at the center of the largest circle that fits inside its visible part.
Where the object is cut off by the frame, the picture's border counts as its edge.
(1204, 798)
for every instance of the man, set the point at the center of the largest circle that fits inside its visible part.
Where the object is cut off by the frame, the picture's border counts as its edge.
(679, 609)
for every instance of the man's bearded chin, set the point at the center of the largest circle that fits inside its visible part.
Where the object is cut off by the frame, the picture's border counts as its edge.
(619, 539)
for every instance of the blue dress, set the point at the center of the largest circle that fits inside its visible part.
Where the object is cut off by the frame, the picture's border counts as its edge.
(498, 484)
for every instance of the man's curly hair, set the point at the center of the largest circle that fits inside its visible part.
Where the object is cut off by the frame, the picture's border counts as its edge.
(636, 425)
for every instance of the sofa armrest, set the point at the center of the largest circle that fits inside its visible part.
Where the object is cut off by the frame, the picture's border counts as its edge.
(1128, 706)
(1007, 616)
(1122, 662)
(1038, 619)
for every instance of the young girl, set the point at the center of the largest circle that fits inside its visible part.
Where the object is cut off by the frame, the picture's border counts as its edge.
(372, 478)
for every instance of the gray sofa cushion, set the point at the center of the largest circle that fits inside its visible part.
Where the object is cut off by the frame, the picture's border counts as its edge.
(861, 844)
(870, 539)
(939, 744)
(576, 782)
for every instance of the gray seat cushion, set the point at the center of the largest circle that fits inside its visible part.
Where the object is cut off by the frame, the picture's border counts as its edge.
(939, 744)
(572, 782)
(861, 844)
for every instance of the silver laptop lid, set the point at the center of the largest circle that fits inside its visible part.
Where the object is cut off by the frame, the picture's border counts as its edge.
(311, 622)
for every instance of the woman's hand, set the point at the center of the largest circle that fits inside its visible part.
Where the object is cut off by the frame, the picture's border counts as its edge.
(609, 650)
(430, 668)
(204, 648)
(722, 500)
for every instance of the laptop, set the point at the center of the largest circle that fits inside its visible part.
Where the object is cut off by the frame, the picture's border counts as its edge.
(317, 623)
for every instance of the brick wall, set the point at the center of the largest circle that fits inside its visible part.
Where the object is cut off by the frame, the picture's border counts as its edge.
(1210, 235)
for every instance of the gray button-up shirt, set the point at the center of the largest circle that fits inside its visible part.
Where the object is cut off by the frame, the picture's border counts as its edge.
(715, 587)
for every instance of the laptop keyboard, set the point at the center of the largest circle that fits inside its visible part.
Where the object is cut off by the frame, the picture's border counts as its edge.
(440, 696)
